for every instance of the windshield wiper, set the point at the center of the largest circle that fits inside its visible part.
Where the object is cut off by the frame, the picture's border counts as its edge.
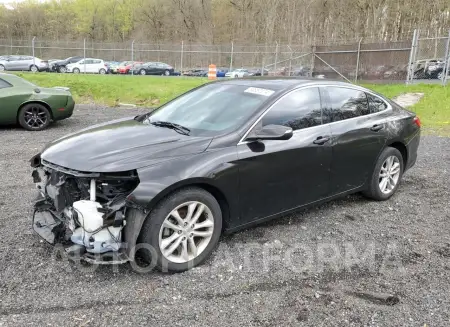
(178, 128)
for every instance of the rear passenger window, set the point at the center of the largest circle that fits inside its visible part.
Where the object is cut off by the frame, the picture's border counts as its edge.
(4, 84)
(346, 103)
(298, 109)
(376, 104)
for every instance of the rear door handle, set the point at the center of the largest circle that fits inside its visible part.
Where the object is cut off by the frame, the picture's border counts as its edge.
(321, 140)
(377, 128)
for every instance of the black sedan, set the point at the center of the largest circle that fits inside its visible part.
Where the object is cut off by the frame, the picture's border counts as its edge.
(59, 66)
(220, 158)
(153, 68)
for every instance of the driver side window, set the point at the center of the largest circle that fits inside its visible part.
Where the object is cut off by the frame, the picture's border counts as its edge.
(298, 109)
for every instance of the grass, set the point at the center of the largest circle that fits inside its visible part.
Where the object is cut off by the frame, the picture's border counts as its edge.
(114, 89)
(433, 108)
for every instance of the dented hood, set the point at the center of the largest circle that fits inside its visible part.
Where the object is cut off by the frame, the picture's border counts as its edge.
(120, 145)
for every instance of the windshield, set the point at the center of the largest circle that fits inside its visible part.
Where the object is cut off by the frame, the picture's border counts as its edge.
(212, 109)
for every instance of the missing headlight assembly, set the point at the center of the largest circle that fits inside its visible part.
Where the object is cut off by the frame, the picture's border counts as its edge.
(84, 211)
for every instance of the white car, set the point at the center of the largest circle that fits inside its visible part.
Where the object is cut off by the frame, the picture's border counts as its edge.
(88, 65)
(238, 73)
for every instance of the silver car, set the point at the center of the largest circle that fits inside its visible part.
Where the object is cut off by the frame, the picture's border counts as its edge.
(23, 63)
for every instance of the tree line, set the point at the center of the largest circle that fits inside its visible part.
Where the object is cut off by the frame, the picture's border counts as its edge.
(222, 21)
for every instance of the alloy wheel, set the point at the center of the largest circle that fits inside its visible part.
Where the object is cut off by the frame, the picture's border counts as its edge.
(389, 174)
(34, 69)
(2, 68)
(143, 72)
(186, 232)
(35, 117)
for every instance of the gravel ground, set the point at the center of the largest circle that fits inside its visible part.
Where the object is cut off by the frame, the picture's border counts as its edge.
(306, 269)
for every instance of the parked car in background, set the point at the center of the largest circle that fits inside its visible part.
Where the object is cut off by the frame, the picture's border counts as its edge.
(88, 65)
(153, 68)
(125, 67)
(59, 66)
(112, 67)
(196, 73)
(238, 73)
(257, 72)
(31, 106)
(221, 72)
(23, 63)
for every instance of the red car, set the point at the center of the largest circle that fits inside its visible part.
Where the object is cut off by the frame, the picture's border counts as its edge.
(124, 67)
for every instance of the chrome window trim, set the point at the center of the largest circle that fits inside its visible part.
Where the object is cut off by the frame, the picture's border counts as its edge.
(353, 87)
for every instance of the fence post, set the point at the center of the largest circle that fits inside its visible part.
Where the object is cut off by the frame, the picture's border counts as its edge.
(181, 60)
(313, 58)
(231, 56)
(84, 54)
(290, 60)
(32, 49)
(410, 74)
(446, 69)
(132, 56)
(276, 56)
(357, 60)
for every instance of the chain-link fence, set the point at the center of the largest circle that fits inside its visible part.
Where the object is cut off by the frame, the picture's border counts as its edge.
(429, 58)
(415, 59)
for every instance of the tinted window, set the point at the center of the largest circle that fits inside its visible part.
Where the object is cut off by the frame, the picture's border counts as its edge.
(345, 104)
(375, 103)
(4, 84)
(213, 108)
(298, 109)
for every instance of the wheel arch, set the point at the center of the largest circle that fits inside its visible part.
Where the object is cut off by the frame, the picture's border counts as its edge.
(45, 104)
(133, 227)
(403, 150)
(203, 183)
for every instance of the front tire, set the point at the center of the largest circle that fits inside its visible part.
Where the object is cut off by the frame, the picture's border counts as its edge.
(102, 71)
(76, 71)
(167, 73)
(2, 68)
(62, 69)
(142, 72)
(182, 230)
(34, 117)
(386, 176)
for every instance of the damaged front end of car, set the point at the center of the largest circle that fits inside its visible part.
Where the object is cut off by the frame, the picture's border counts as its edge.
(84, 211)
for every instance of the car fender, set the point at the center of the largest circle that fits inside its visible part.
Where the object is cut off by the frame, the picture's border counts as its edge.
(214, 171)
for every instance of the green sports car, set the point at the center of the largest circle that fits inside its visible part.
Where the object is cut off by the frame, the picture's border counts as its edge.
(31, 106)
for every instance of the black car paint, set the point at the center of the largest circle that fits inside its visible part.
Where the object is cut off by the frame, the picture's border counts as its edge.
(252, 181)
(63, 63)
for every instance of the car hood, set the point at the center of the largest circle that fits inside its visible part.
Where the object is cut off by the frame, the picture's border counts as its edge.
(120, 145)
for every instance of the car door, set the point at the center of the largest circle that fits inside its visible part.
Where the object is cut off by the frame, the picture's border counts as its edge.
(10, 103)
(13, 63)
(89, 65)
(25, 62)
(280, 175)
(358, 136)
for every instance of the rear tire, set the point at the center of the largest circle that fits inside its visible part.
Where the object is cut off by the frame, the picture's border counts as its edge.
(34, 69)
(102, 71)
(167, 73)
(34, 117)
(142, 72)
(386, 176)
(2, 68)
(159, 237)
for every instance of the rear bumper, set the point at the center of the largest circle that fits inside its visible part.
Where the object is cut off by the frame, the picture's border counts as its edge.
(412, 148)
(60, 114)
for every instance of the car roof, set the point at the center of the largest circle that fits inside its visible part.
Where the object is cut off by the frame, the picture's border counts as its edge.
(281, 83)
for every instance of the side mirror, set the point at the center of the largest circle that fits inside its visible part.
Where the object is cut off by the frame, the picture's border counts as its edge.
(271, 132)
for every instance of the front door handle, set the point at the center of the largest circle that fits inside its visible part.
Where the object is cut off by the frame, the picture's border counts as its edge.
(377, 128)
(321, 140)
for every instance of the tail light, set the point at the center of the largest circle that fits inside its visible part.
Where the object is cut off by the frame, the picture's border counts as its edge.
(417, 121)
